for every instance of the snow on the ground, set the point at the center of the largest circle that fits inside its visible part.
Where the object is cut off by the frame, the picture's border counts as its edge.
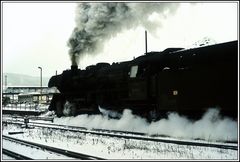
(32, 152)
(116, 148)
(7, 157)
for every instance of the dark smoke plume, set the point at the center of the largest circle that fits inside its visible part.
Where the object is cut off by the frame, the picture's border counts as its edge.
(98, 22)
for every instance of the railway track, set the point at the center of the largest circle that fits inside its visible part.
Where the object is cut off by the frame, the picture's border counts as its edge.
(49, 151)
(15, 155)
(131, 135)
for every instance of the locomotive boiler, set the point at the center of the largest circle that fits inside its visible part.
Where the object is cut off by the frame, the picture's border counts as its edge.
(187, 81)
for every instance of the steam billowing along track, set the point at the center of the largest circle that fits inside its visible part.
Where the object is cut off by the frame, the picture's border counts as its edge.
(187, 81)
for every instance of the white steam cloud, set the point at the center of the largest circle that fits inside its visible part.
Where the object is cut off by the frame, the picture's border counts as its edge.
(211, 126)
(98, 22)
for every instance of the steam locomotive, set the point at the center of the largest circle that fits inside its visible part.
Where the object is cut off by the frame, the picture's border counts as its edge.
(187, 81)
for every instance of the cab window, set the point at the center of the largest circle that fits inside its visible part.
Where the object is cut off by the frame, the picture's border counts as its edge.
(133, 72)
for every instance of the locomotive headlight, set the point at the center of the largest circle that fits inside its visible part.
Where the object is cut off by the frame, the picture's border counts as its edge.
(175, 93)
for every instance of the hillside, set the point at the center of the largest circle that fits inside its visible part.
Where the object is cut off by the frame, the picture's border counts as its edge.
(23, 80)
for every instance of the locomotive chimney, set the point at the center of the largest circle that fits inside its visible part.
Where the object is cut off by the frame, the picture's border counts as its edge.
(74, 67)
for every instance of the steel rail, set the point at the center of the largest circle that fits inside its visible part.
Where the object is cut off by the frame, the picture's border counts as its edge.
(15, 155)
(54, 149)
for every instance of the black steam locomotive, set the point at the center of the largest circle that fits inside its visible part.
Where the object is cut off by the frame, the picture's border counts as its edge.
(187, 81)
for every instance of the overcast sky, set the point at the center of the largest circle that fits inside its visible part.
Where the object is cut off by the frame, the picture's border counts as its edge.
(36, 34)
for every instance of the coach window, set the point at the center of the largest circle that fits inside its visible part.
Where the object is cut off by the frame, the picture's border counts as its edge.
(133, 72)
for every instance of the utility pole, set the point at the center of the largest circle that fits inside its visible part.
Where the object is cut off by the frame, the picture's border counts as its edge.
(5, 81)
(146, 40)
(40, 81)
